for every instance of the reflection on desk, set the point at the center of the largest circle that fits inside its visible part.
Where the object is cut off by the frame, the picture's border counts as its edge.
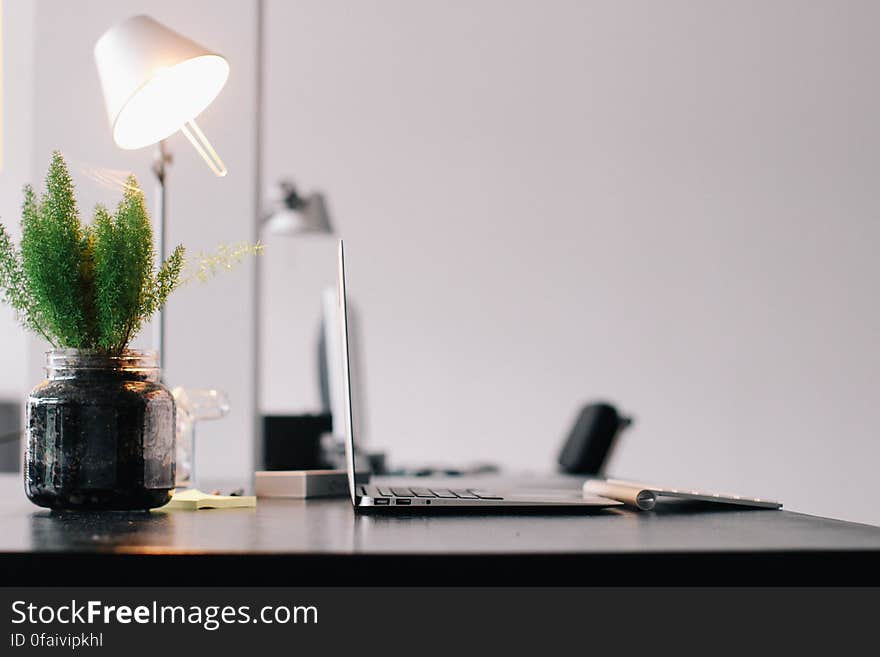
(298, 542)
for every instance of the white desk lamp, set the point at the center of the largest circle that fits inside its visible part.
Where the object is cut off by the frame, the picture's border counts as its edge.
(155, 83)
(291, 213)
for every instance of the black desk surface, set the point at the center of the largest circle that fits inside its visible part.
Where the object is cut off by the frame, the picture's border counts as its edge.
(293, 542)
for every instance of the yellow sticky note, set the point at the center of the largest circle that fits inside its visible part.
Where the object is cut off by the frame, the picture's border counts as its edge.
(192, 499)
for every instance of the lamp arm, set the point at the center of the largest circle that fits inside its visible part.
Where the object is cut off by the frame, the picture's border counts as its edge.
(161, 163)
(197, 138)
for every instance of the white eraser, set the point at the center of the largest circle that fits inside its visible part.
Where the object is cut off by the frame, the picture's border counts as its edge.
(302, 484)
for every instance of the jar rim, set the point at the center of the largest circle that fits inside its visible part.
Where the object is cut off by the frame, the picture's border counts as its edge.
(67, 358)
(73, 351)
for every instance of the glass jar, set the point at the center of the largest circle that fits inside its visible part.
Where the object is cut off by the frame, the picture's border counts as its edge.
(100, 433)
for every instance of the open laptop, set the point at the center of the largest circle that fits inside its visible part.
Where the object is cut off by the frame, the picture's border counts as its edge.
(396, 498)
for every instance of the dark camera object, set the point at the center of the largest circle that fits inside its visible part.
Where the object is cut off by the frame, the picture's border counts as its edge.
(293, 442)
(591, 439)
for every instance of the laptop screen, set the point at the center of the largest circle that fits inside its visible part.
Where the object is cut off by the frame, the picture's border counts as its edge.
(346, 376)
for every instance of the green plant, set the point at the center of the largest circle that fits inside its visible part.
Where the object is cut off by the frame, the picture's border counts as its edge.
(92, 286)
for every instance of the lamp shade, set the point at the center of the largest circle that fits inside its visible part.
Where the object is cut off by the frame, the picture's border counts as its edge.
(293, 214)
(154, 80)
(312, 217)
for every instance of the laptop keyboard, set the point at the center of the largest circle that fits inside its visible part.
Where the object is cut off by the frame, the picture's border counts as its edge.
(446, 493)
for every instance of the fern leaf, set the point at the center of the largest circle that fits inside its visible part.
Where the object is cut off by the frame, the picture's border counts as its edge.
(123, 269)
(14, 285)
(52, 249)
(168, 278)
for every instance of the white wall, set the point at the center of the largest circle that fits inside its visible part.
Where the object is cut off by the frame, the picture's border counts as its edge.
(17, 169)
(672, 205)
(210, 327)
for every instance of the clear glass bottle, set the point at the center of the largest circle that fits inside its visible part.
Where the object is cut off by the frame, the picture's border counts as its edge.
(194, 405)
(100, 433)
